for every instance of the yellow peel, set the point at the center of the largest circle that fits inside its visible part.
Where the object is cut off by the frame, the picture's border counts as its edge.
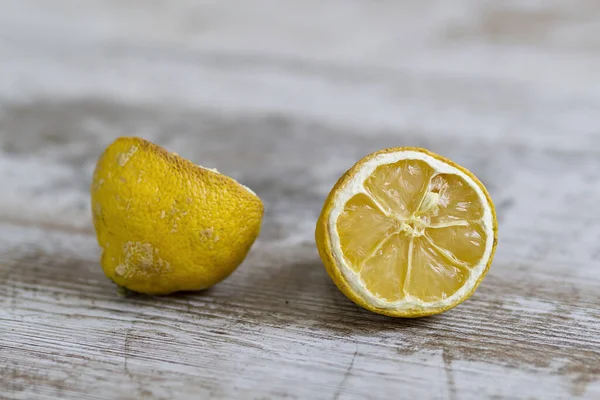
(165, 224)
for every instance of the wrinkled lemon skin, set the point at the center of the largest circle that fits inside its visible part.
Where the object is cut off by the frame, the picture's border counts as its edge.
(323, 240)
(166, 225)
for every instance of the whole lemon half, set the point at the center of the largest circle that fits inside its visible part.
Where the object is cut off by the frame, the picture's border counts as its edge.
(165, 224)
(407, 233)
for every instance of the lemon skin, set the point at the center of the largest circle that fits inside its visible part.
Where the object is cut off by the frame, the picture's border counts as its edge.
(166, 225)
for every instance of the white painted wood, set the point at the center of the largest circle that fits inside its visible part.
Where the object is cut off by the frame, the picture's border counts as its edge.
(284, 96)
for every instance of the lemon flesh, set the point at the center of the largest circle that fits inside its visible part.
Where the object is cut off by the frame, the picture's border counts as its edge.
(406, 232)
(411, 234)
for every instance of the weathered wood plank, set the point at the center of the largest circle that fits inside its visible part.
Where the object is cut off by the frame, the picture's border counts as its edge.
(285, 103)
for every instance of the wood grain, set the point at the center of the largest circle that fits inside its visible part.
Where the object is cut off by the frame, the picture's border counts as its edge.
(285, 97)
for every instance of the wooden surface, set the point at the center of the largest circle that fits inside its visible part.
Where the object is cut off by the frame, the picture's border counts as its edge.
(284, 96)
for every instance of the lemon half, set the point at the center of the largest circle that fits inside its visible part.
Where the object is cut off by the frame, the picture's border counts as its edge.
(407, 233)
(165, 224)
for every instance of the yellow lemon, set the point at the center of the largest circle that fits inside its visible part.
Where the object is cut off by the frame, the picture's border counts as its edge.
(165, 224)
(407, 233)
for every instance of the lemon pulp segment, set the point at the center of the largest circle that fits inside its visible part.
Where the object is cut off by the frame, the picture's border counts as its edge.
(412, 232)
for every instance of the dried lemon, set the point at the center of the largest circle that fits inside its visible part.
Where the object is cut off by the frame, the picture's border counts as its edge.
(407, 233)
(165, 224)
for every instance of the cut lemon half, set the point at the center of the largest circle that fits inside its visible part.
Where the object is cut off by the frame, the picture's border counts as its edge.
(407, 233)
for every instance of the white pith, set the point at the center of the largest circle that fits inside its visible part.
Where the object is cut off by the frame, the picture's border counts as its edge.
(217, 172)
(356, 185)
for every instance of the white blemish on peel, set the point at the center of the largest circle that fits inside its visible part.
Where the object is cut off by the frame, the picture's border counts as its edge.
(210, 169)
(141, 259)
(217, 172)
(120, 270)
(209, 237)
(207, 233)
(123, 158)
(248, 189)
(97, 209)
(98, 184)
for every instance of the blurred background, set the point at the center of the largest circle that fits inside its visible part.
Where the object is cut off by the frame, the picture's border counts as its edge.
(285, 95)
